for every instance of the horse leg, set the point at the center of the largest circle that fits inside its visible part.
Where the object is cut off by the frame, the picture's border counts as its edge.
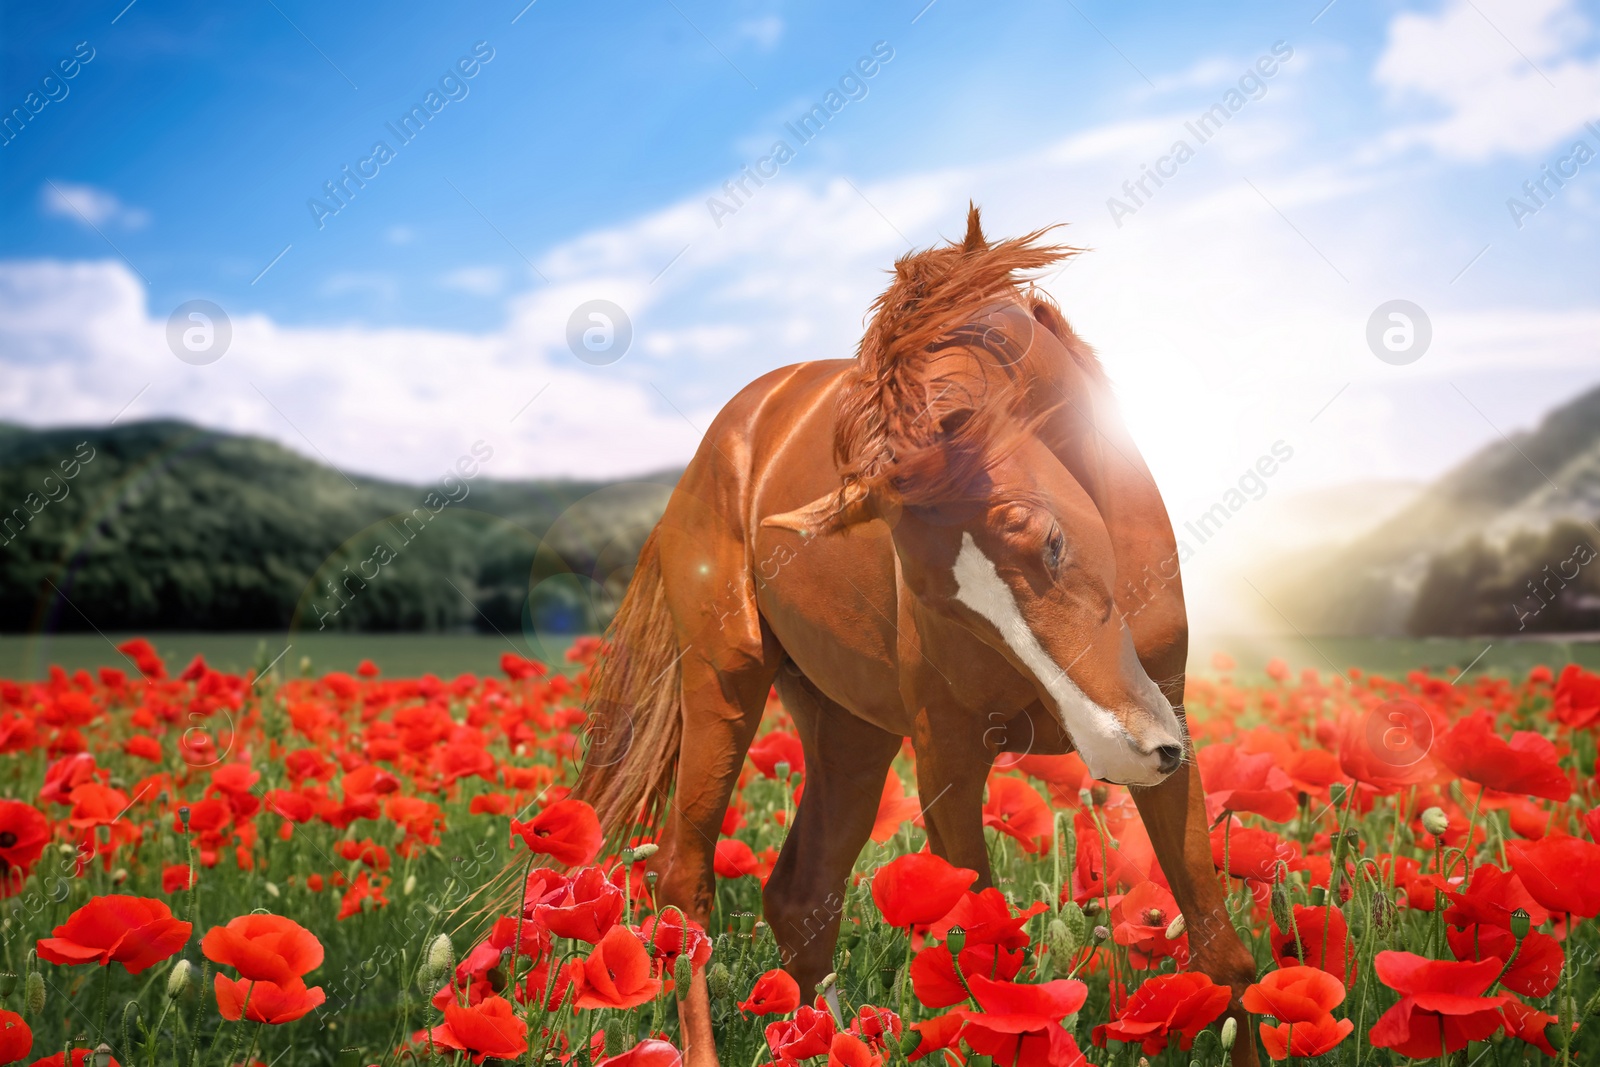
(953, 763)
(847, 759)
(1174, 813)
(722, 707)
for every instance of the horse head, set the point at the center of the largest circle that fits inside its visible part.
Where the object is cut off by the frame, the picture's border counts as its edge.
(937, 435)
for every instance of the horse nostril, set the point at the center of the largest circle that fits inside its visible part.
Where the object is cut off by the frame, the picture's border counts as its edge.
(1171, 757)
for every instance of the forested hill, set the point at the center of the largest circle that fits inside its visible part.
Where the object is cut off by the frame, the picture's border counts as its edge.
(166, 525)
(1506, 542)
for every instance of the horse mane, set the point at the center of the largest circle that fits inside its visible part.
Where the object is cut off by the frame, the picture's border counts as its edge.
(910, 419)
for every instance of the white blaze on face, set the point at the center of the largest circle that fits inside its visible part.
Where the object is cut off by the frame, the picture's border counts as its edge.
(1100, 739)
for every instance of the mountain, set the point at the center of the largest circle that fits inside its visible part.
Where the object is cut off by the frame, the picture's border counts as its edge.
(1499, 544)
(167, 525)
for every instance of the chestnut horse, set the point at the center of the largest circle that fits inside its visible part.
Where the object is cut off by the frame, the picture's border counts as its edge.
(933, 540)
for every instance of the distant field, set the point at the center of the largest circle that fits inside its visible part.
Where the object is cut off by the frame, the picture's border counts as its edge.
(447, 655)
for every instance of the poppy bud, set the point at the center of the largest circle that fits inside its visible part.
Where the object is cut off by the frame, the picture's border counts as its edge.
(119, 876)
(644, 851)
(102, 1055)
(682, 975)
(33, 993)
(613, 1037)
(910, 1041)
(1520, 921)
(1063, 944)
(1282, 914)
(829, 980)
(8, 983)
(178, 979)
(956, 940)
(409, 886)
(1230, 1030)
(720, 981)
(1435, 821)
(272, 890)
(437, 963)
(1176, 927)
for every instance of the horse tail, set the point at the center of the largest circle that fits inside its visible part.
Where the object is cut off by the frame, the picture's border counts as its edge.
(635, 708)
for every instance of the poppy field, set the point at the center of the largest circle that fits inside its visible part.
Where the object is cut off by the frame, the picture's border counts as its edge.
(202, 868)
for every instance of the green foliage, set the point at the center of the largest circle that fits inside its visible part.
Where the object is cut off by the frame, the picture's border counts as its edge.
(163, 525)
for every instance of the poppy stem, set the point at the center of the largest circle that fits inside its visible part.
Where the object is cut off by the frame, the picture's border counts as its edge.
(522, 910)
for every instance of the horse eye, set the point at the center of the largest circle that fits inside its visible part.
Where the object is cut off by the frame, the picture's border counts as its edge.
(1054, 549)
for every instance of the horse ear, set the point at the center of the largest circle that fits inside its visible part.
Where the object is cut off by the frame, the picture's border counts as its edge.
(975, 241)
(828, 513)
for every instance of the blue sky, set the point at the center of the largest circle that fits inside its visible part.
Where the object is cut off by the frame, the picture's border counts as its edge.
(1230, 305)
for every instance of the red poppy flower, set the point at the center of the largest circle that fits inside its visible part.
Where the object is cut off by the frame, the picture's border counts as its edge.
(24, 831)
(1140, 920)
(1168, 1004)
(1528, 763)
(671, 938)
(1490, 898)
(268, 948)
(1324, 942)
(1245, 782)
(586, 908)
(1295, 994)
(176, 877)
(1537, 966)
(1562, 873)
(16, 1039)
(1251, 853)
(1531, 1025)
(65, 775)
(1387, 747)
(876, 1026)
(1441, 1004)
(80, 1057)
(848, 1050)
(734, 859)
(137, 932)
(778, 746)
(616, 974)
(918, 889)
(987, 919)
(143, 746)
(809, 1033)
(651, 1053)
(1017, 810)
(1308, 1038)
(1577, 697)
(1020, 1025)
(775, 993)
(933, 974)
(488, 1028)
(894, 808)
(363, 889)
(265, 1002)
(567, 831)
(935, 1034)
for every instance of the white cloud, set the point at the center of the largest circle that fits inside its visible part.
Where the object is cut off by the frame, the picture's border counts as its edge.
(1494, 77)
(89, 206)
(479, 281)
(765, 32)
